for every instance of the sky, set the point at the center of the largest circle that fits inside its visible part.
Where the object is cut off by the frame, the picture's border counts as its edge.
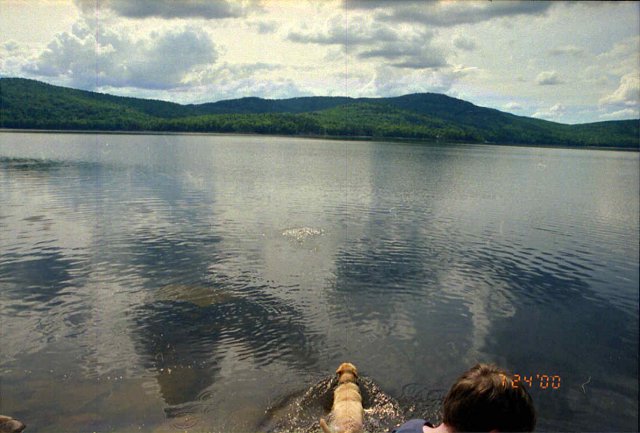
(570, 62)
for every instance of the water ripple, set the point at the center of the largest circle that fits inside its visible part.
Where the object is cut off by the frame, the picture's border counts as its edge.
(194, 265)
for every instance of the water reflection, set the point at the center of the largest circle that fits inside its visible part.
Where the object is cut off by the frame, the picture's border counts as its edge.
(488, 268)
(36, 279)
(214, 276)
(187, 357)
(160, 290)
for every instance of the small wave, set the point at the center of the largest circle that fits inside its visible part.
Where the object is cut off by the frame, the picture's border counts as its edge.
(185, 422)
(183, 417)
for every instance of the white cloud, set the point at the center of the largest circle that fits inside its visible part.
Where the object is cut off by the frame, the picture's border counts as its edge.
(555, 112)
(513, 106)
(13, 56)
(627, 94)
(230, 81)
(91, 56)
(389, 81)
(10, 46)
(548, 78)
(447, 14)
(461, 70)
(622, 57)
(567, 50)
(354, 32)
(166, 8)
(627, 113)
(264, 27)
(414, 52)
(464, 43)
(224, 81)
(404, 48)
(252, 86)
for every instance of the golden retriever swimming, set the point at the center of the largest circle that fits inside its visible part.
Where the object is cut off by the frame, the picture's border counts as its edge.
(347, 413)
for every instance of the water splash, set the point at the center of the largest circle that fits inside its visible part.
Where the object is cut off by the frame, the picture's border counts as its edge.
(301, 412)
(301, 234)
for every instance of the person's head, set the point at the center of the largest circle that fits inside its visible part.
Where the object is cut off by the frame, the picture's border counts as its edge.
(484, 399)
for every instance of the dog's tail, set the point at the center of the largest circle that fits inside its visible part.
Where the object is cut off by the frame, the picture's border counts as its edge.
(324, 426)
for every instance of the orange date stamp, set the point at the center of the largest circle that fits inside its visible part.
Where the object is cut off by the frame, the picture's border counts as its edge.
(542, 381)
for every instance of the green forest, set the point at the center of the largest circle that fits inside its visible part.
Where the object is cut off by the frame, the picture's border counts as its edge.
(29, 104)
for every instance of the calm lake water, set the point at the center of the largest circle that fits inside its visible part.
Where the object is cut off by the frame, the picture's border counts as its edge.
(214, 283)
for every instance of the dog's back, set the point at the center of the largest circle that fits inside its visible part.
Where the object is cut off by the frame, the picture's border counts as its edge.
(347, 414)
(347, 392)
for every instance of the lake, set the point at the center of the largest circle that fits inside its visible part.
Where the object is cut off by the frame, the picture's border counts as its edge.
(214, 283)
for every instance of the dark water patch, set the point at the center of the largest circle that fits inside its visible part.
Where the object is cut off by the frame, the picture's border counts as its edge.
(29, 164)
(47, 166)
(33, 280)
(184, 343)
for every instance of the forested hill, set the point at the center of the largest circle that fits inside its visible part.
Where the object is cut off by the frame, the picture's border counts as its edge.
(29, 104)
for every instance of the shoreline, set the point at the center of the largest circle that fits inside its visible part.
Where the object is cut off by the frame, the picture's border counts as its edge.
(316, 137)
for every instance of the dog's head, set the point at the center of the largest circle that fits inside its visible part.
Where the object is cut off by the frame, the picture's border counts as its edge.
(347, 372)
(10, 425)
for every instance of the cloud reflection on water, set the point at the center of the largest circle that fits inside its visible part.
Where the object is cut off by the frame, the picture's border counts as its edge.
(171, 265)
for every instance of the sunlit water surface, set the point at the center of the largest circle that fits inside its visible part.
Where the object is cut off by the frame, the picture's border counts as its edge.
(214, 283)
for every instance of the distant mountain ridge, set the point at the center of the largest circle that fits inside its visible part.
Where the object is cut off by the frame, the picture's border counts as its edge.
(30, 104)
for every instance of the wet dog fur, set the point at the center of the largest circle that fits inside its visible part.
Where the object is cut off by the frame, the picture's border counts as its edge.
(10, 425)
(347, 414)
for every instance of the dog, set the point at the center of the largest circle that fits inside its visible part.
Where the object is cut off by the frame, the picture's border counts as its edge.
(347, 414)
(10, 425)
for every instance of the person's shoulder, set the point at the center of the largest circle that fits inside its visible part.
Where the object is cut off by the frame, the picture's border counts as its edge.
(411, 426)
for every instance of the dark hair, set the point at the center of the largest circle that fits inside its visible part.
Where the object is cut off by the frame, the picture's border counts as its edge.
(484, 399)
